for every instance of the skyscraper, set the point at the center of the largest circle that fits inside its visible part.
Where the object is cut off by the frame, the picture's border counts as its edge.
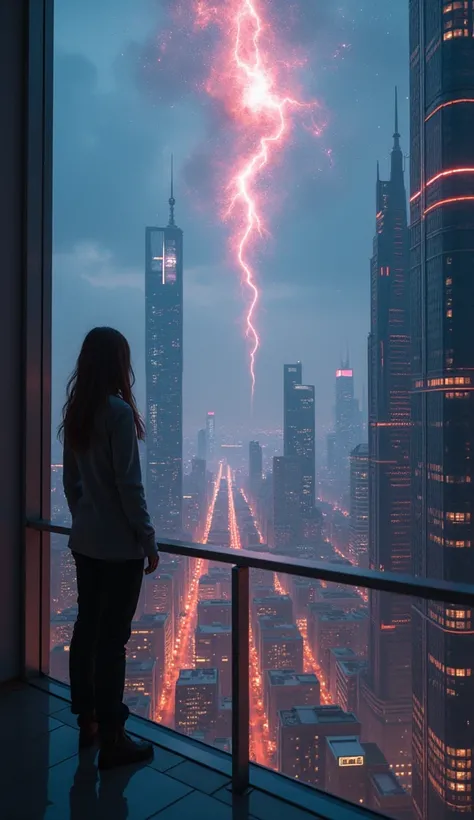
(164, 372)
(348, 428)
(292, 374)
(299, 429)
(387, 687)
(359, 506)
(211, 434)
(255, 467)
(442, 263)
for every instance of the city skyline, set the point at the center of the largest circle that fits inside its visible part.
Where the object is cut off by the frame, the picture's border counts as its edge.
(99, 264)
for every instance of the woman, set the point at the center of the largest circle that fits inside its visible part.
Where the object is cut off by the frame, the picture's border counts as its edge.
(111, 537)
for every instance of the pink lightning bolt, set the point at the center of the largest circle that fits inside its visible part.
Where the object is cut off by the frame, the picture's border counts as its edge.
(246, 77)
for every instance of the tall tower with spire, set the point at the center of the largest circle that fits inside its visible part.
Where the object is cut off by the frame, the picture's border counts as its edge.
(164, 371)
(386, 690)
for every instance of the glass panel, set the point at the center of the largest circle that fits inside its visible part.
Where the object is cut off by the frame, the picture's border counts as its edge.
(240, 276)
(63, 607)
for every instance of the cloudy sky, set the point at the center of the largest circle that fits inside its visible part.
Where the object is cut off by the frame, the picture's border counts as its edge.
(130, 80)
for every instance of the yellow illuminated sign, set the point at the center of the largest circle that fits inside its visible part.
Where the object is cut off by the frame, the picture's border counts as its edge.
(351, 761)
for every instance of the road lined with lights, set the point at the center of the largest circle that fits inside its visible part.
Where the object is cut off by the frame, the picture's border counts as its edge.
(259, 737)
(183, 655)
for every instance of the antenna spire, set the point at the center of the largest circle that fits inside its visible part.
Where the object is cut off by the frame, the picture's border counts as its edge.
(172, 201)
(396, 135)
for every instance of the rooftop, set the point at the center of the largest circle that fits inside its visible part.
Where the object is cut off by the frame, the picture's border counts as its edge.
(149, 621)
(135, 666)
(196, 676)
(342, 616)
(212, 629)
(310, 715)
(374, 755)
(352, 667)
(343, 653)
(287, 677)
(273, 596)
(387, 784)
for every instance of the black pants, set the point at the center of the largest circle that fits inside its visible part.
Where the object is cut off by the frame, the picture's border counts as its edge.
(108, 593)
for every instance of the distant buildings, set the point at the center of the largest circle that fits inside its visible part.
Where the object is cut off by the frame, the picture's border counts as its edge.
(164, 373)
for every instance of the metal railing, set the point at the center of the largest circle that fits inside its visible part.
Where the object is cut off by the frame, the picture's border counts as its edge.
(241, 562)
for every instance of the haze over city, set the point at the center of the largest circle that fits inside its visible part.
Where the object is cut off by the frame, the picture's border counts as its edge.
(122, 106)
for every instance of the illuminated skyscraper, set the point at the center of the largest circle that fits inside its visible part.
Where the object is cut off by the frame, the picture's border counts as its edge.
(164, 372)
(211, 434)
(299, 429)
(442, 264)
(292, 374)
(387, 689)
(359, 506)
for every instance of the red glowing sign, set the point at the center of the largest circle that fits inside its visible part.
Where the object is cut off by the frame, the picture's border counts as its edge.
(347, 374)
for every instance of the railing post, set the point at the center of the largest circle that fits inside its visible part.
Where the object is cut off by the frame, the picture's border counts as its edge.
(240, 679)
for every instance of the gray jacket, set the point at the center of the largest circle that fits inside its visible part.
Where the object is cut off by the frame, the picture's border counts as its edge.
(104, 490)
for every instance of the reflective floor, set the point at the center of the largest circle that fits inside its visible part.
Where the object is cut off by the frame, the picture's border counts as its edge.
(43, 776)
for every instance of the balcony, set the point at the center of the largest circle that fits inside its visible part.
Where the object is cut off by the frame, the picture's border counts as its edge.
(354, 776)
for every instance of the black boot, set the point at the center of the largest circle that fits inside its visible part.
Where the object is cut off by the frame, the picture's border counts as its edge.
(88, 729)
(117, 748)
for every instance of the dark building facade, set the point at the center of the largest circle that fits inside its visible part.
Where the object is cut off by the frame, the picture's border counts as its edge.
(387, 686)
(442, 264)
(287, 521)
(255, 467)
(202, 445)
(164, 373)
(299, 430)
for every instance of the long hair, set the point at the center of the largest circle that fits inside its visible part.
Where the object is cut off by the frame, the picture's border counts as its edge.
(103, 369)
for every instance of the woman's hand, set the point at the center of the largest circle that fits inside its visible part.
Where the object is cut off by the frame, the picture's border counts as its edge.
(153, 561)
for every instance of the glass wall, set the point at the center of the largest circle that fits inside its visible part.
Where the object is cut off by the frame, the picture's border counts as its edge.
(232, 191)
